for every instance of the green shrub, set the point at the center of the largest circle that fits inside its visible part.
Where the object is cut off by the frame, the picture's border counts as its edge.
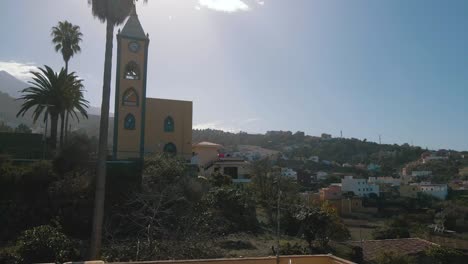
(9, 257)
(75, 154)
(293, 249)
(232, 208)
(45, 244)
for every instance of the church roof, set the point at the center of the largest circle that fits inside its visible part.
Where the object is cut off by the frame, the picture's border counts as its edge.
(133, 28)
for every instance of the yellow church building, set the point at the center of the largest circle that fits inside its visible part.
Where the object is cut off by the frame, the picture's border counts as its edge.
(145, 125)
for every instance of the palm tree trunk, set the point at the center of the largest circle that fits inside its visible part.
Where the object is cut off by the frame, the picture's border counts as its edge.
(96, 237)
(66, 66)
(53, 130)
(66, 127)
(62, 127)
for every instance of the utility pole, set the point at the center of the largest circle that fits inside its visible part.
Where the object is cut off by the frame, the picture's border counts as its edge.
(278, 220)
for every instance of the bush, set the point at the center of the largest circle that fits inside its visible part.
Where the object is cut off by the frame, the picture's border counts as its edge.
(75, 154)
(293, 249)
(390, 257)
(444, 255)
(9, 257)
(233, 209)
(45, 244)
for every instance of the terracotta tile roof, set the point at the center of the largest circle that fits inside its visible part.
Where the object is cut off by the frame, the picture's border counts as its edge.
(404, 246)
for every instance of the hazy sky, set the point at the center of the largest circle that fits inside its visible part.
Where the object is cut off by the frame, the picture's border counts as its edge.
(398, 68)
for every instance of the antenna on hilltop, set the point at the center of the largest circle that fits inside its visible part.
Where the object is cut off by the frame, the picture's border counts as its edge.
(341, 133)
(380, 139)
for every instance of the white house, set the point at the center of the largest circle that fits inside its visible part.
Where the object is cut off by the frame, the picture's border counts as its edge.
(437, 190)
(384, 180)
(432, 157)
(287, 172)
(314, 158)
(359, 187)
(321, 175)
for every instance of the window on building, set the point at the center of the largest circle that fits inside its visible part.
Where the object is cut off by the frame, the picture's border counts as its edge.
(132, 71)
(359, 190)
(130, 97)
(169, 124)
(170, 148)
(129, 121)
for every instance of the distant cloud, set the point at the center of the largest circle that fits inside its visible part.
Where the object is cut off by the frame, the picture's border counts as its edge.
(18, 69)
(218, 125)
(228, 6)
(234, 126)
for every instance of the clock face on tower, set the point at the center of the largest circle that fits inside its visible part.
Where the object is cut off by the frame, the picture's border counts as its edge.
(134, 46)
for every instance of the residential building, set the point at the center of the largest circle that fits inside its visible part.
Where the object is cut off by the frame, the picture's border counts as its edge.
(360, 187)
(436, 190)
(332, 192)
(372, 249)
(384, 180)
(373, 167)
(409, 190)
(459, 185)
(321, 175)
(407, 178)
(314, 159)
(288, 172)
(206, 152)
(237, 168)
(431, 156)
(412, 190)
(207, 157)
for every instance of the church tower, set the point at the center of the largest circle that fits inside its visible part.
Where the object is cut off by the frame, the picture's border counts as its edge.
(130, 90)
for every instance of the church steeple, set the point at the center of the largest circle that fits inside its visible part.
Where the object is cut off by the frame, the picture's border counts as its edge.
(130, 89)
(133, 28)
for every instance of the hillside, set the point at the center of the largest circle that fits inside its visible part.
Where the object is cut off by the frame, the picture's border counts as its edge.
(298, 145)
(10, 88)
(10, 85)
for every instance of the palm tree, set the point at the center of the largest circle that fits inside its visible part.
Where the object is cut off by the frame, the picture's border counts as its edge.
(66, 37)
(113, 12)
(74, 102)
(49, 93)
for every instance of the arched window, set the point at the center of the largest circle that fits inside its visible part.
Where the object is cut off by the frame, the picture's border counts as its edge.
(132, 71)
(170, 148)
(169, 124)
(130, 97)
(129, 122)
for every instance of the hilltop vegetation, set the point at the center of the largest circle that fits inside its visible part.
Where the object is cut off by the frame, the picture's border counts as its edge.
(341, 150)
